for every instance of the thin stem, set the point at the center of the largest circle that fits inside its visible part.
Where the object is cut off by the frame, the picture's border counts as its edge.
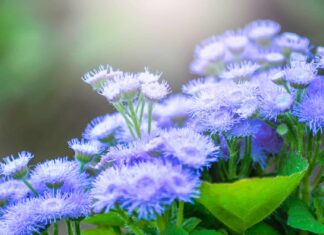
(161, 224)
(77, 227)
(150, 110)
(134, 118)
(128, 221)
(30, 186)
(231, 144)
(82, 166)
(69, 227)
(142, 111)
(56, 229)
(122, 111)
(318, 177)
(247, 156)
(180, 214)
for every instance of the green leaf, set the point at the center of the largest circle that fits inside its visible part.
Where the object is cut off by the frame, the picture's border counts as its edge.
(100, 231)
(291, 164)
(262, 229)
(246, 202)
(172, 229)
(190, 224)
(300, 217)
(109, 219)
(205, 232)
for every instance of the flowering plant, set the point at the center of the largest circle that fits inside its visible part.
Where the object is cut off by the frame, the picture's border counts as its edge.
(237, 152)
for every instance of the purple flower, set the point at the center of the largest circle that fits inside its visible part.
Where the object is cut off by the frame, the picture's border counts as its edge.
(311, 111)
(104, 127)
(289, 42)
(212, 49)
(195, 86)
(147, 77)
(189, 148)
(146, 187)
(235, 41)
(316, 86)
(16, 167)
(245, 128)
(300, 74)
(262, 31)
(12, 191)
(155, 91)
(58, 174)
(239, 72)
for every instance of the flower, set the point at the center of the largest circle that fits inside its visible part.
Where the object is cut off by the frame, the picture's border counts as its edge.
(85, 150)
(274, 58)
(262, 31)
(147, 77)
(16, 167)
(155, 91)
(58, 174)
(235, 41)
(195, 86)
(311, 111)
(289, 42)
(211, 49)
(317, 85)
(189, 148)
(245, 128)
(146, 187)
(103, 128)
(240, 71)
(12, 191)
(97, 77)
(300, 74)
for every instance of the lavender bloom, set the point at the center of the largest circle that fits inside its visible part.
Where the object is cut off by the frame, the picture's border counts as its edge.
(103, 128)
(12, 191)
(235, 41)
(267, 139)
(245, 128)
(155, 91)
(189, 148)
(300, 74)
(172, 111)
(147, 77)
(311, 111)
(97, 77)
(274, 58)
(16, 167)
(58, 174)
(194, 87)
(240, 72)
(85, 150)
(289, 42)
(147, 187)
(316, 86)
(262, 31)
(211, 49)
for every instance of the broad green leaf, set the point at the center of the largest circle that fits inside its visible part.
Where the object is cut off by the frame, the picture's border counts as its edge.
(190, 224)
(246, 202)
(301, 218)
(172, 229)
(109, 219)
(291, 164)
(100, 231)
(262, 229)
(205, 232)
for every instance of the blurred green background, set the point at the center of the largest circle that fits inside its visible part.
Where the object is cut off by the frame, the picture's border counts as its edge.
(46, 46)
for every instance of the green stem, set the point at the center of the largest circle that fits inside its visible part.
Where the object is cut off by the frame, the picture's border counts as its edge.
(122, 111)
(142, 111)
(69, 227)
(180, 214)
(82, 166)
(77, 227)
(161, 224)
(56, 229)
(150, 111)
(231, 144)
(30, 186)
(318, 177)
(129, 222)
(247, 156)
(134, 118)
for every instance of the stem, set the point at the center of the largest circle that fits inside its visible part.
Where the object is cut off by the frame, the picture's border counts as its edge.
(69, 227)
(231, 144)
(122, 111)
(134, 118)
(319, 176)
(77, 228)
(180, 214)
(161, 224)
(81, 166)
(247, 156)
(30, 186)
(150, 110)
(142, 111)
(56, 229)
(129, 222)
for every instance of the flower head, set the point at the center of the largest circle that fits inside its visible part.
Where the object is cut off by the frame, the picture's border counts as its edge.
(289, 42)
(97, 77)
(300, 74)
(103, 128)
(240, 72)
(147, 77)
(58, 174)
(245, 128)
(146, 187)
(317, 85)
(189, 148)
(311, 111)
(262, 31)
(16, 167)
(211, 49)
(85, 150)
(193, 87)
(12, 191)
(236, 41)
(155, 91)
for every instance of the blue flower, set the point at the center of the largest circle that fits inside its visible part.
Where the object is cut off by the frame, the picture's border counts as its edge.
(235, 41)
(317, 85)
(103, 128)
(146, 187)
(189, 148)
(195, 86)
(155, 91)
(212, 49)
(239, 72)
(58, 174)
(262, 31)
(85, 150)
(12, 191)
(300, 73)
(97, 77)
(245, 128)
(290, 42)
(311, 111)
(16, 167)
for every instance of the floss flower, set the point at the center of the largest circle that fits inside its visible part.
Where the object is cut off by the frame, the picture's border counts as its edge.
(240, 72)
(16, 167)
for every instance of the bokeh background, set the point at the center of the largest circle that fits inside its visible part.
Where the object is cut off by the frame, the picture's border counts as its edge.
(46, 46)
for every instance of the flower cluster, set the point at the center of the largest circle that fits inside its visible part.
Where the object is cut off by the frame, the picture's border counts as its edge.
(260, 92)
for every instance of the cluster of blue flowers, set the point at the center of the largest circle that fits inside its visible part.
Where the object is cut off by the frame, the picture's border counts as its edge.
(155, 150)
